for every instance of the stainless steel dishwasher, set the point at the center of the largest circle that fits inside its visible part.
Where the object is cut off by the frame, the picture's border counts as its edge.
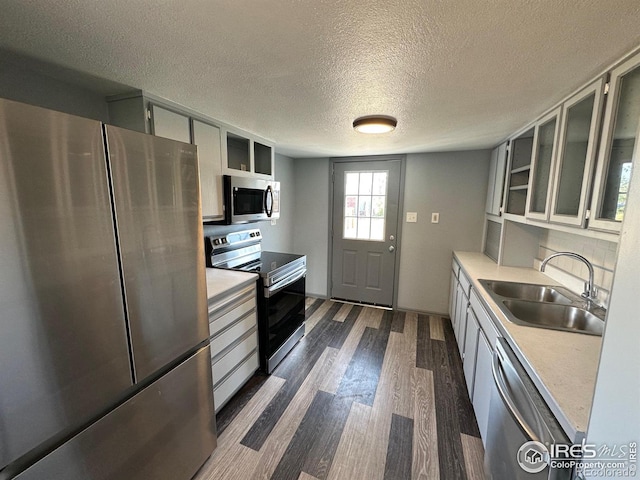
(519, 417)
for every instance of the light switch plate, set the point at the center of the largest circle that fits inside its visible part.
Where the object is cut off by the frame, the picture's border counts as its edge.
(412, 217)
(435, 217)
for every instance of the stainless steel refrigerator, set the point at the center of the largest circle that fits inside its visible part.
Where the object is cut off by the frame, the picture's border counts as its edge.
(104, 359)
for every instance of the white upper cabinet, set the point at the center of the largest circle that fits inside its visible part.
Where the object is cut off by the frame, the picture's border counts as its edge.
(247, 156)
(545, 141)
(617, 144)
(496, 179)
(222, 149)
(207, 138)
(576, 155)
(168, 124)
(518, 173)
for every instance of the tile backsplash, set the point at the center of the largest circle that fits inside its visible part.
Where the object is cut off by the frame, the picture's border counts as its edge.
(572, 273)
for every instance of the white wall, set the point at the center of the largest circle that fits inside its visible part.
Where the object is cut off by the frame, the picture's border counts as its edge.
(453, 184)
(21, 83)
(279, 237)
(311, 220)
(432, 180)
(571, 273)
(615, 413)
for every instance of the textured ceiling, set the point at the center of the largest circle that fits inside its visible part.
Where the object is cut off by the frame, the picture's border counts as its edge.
(457, 74)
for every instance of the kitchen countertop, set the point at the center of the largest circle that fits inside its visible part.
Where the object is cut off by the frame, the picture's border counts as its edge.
(221, 282)
(562, 365)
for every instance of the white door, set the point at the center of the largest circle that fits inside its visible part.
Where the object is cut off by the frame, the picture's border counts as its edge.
(365, 230)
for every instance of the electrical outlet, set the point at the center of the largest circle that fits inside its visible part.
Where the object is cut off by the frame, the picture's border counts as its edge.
(412, 217)
(273, 221)
(435, 218)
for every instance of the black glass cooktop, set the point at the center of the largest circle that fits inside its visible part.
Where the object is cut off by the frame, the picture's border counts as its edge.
(270, 261)
(264, 262)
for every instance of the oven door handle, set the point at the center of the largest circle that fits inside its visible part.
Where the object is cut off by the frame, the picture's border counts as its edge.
(284, 283)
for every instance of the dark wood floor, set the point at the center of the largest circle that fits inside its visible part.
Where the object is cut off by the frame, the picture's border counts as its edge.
(366, 394)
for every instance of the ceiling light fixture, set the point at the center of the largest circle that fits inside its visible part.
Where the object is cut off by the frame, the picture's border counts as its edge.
(375, 124)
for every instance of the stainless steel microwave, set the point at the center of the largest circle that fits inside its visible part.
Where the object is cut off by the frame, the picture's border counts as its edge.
(250, 200)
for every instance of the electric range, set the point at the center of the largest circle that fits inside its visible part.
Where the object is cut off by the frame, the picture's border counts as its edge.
(281, 289)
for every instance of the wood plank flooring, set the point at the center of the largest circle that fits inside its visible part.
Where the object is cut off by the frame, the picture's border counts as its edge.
(367, 394)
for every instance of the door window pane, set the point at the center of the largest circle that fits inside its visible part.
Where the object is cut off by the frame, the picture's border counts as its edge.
(350, 205)
(364, 225)
(350, 227)
(366, 179)
(351, 183)
(364, 207)
(380, 183)
(377, 206)
(364, 213)
(377, 229)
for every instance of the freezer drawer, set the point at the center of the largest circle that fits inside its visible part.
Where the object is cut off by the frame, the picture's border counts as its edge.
(165, 432)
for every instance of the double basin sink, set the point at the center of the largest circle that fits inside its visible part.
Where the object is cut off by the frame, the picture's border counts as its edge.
(545, 306)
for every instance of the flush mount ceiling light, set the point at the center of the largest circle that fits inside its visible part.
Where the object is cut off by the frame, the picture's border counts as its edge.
(375, 124)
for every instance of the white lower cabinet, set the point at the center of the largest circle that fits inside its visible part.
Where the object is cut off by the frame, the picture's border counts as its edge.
(234, 343)
(470, 350)
(476, 336)
(462, 304)
(452, 297)
(482, 383)
(478, 372)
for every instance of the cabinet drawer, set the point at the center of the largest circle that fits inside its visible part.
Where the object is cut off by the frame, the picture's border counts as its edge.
(230, 314)
(222, 303)
(234, 381)
(233, 333)
(464, 282)
(231, 358)
(484, 319)
(470, 350)
(455, 267)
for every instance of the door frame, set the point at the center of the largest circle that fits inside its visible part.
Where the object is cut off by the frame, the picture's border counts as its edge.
(368, 158)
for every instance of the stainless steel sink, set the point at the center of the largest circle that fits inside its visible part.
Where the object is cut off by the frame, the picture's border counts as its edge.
(546, 306)
(555, 316)
(526, 291)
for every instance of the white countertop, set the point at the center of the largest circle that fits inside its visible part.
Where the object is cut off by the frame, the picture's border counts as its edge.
(221, 281)
(562, 365)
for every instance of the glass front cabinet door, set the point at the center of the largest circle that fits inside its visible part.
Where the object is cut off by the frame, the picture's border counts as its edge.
(518, 173)
(576, 155)
(545, 141)
(621, 121)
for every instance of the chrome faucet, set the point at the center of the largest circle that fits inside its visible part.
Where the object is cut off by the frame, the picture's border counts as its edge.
(590, 292)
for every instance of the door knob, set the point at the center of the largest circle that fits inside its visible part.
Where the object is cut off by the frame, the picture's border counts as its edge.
(392, 248)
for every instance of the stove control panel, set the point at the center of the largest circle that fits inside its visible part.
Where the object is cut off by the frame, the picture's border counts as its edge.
(235, 239)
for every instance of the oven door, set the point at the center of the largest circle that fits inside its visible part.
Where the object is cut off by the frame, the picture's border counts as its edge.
(281, 318)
